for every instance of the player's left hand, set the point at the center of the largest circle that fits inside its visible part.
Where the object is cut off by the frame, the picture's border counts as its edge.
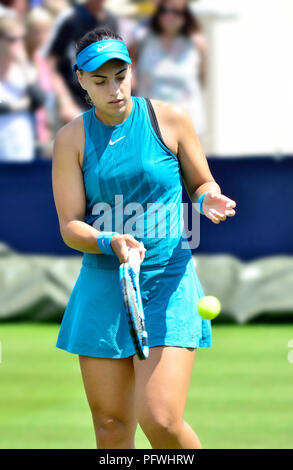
(217, 207)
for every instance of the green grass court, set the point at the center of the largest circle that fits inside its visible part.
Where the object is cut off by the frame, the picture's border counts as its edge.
(240, 394)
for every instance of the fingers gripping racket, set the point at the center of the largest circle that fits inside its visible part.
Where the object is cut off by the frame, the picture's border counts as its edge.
(129, 281)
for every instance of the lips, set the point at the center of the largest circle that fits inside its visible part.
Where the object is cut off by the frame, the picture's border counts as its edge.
(115, 101)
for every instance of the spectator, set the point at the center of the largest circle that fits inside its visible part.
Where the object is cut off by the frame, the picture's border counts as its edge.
(56, 7)
(169, 55)
(19, 94)
(39, 23)
(18, 6)
(61, 51)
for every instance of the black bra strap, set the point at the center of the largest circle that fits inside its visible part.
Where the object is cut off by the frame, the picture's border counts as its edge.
(153, 119)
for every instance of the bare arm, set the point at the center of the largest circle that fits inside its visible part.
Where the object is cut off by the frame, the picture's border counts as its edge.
(196, 173)
(201, 45)
(69, 193)
(70, 199)
(194, 166)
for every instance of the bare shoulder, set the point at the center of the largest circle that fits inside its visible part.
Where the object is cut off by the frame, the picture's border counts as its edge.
(170, 114)
(167, 109)
(71, 131)
(174, 121)
(70, 139)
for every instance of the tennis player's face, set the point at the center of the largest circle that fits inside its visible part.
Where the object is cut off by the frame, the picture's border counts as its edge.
(109, 87)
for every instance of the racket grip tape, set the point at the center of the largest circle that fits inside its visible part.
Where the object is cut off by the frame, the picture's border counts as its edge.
(134, 258)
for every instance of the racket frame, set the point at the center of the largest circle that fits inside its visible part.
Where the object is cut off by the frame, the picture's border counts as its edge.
(129, 280)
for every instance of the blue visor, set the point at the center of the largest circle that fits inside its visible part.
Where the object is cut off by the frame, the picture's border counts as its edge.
(96, 54)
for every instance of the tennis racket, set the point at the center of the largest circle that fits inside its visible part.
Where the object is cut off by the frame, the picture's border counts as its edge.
(129, 282)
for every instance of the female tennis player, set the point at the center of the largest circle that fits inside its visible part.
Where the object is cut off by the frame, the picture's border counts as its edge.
(132, 153)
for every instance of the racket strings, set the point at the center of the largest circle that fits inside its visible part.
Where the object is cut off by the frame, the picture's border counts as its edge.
(139, 312)
(134, 310)
(134, 296)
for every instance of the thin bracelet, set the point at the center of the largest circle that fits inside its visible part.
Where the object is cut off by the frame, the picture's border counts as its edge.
(200, 202)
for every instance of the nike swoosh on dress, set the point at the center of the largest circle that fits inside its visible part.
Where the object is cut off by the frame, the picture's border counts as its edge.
(112, 143)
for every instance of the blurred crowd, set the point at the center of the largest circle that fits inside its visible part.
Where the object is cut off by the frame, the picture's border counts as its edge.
(39, 92)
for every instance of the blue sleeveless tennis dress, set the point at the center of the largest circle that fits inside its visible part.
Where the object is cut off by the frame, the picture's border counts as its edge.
(133, 185)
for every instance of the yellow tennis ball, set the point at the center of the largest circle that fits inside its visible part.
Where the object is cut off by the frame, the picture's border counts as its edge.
(209, 307)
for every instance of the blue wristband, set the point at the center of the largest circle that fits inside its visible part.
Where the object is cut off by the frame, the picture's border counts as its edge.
(200, 202)
(104, 242)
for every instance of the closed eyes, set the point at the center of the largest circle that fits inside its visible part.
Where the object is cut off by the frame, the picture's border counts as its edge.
(103, 82)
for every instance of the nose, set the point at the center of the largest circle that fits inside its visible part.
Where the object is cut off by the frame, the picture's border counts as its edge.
(113, 87)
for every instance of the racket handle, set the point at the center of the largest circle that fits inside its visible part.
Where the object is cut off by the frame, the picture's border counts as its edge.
(134, 259)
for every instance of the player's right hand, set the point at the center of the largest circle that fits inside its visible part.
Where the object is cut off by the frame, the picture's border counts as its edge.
(121, 243)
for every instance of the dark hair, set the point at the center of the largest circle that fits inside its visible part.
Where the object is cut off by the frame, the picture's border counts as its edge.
(97, 34)
(191, 23)
(6, 3)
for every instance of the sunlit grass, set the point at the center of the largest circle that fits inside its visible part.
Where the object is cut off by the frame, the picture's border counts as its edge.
(240, 394)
